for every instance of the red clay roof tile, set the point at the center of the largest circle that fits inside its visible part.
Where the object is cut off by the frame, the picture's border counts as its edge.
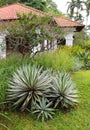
(10, 11)
(65, 22)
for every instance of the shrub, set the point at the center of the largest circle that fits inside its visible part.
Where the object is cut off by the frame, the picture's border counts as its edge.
(27, 86)
(75, 49)
(64, 92)
(85, 44)
(57, 60)
(84, 56)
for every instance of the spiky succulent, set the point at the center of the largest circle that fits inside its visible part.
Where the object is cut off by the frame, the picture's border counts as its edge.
(27, 85)
(43, 109)
(64, 91)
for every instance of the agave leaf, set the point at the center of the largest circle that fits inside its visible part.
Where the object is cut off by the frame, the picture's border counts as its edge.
(26, 101)
(46, 115)
(20, 100)
(49, 104)
(36, 111)
(50, 116)
(39, 115)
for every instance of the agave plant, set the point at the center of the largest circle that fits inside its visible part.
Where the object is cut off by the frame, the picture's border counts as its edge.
(64, 91)
(43, 109)
(27, 85)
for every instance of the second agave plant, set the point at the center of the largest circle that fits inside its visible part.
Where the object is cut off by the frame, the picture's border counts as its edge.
(27, 85)
(64, 91)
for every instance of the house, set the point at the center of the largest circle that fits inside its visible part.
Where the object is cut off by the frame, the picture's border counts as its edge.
(9, 13)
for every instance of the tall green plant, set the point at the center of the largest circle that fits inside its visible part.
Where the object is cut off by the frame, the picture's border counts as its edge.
(58, 60)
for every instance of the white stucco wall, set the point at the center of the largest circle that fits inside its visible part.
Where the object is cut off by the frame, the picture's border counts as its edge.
(69, 35)
(69, 39)
(2, 46)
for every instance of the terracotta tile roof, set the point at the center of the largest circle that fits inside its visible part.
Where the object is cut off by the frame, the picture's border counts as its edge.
(65, 22)
(10, 12)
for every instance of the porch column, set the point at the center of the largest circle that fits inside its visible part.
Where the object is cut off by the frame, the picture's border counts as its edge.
(69, 39)
(2, 46)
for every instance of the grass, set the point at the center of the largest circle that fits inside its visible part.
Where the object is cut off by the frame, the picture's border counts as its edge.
(75, 119)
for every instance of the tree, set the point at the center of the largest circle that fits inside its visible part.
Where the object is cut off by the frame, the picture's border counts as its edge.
(2, 2)
(44, 5)
(38, 4)
(77, 7)
(51, 7)
(30, 31)
(74, 8)
(11, 1)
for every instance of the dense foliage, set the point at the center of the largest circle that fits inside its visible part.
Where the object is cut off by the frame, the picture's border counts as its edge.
(61, 59)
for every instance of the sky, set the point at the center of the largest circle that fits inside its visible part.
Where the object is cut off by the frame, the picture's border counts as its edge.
(62, 5)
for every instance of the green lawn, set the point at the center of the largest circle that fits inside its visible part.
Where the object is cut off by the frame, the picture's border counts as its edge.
(75, 119)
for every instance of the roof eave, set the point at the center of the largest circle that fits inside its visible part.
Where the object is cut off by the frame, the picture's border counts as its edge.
(78, 28)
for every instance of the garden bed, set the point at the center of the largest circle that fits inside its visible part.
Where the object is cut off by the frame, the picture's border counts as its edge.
(75, 119)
